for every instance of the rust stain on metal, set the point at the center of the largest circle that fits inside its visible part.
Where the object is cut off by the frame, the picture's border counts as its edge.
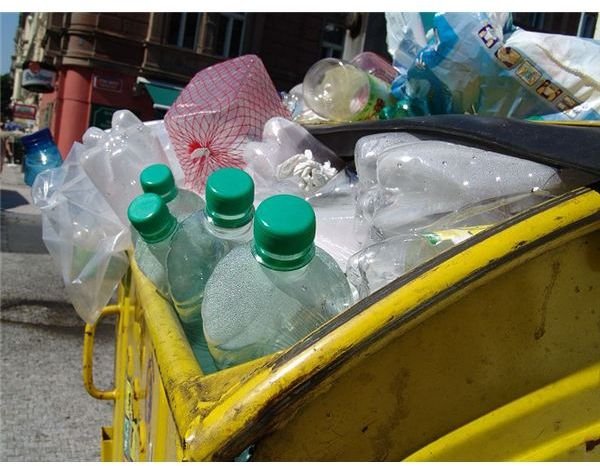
(591, 444)
(519, 244)
(541, 328)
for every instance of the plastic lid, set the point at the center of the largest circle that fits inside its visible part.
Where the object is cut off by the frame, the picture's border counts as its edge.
(150, 216)
(284, 232)
(229, 197)
(158, 179)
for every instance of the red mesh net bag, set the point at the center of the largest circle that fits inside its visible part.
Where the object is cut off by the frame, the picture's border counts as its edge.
(221, 108)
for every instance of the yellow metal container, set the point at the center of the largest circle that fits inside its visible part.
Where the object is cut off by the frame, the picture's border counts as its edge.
(490, 351)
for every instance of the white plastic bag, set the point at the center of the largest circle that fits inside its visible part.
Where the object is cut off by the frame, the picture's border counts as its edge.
(479, 63)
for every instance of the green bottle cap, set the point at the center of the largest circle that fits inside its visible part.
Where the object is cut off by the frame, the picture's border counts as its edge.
(284, 232)
(150, 216)
(158, 179)
(229, 197)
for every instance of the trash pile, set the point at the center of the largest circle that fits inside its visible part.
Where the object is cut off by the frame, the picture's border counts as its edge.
(254, 230)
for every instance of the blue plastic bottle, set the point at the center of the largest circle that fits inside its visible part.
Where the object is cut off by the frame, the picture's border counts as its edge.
(40, 154)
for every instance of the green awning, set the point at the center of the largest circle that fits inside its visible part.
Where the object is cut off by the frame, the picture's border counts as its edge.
(162, 95)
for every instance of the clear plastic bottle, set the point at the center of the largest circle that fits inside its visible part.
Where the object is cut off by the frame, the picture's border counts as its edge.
(40, 154)
(339, 91)
(421, 181)
(380, 263)
(200, 242)
(266, 295)
(155, 225)
(375, 65)
(158, 179)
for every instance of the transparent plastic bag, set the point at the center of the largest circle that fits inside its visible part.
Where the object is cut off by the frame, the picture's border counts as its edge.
(278, 164)
(82, 233)
(114, 159)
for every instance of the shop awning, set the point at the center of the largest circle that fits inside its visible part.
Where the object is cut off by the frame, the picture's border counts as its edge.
(163, 95)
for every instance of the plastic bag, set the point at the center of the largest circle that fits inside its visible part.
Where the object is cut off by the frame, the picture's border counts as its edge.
(81, 229)
(405, 38)
(114, 159)
(223, 107)
(479, 63)
(82, 233)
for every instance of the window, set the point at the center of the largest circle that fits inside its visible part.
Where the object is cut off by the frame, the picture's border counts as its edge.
(230, 34)
(182, 29)
(573, 24)
(332, 43)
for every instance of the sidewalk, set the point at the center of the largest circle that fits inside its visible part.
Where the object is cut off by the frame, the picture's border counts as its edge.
(45, 413)
(32, 289)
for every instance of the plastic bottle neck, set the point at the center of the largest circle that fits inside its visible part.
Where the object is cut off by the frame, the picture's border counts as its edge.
(174, 196)
(239, 234)
(283, 263)
(160, 248)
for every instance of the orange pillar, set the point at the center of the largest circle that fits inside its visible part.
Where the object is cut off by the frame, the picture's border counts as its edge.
(73, 108)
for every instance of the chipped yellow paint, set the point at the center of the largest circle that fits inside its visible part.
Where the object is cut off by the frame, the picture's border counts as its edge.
(466, 335)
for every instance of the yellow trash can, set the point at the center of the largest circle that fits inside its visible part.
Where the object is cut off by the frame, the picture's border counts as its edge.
(490, 351)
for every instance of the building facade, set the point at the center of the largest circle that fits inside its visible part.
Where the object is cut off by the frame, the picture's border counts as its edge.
(103, 62)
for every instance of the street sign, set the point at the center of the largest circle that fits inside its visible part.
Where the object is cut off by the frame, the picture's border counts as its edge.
(27, 112)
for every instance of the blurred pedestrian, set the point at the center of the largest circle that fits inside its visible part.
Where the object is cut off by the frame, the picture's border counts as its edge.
(2, 149)
(9, 148)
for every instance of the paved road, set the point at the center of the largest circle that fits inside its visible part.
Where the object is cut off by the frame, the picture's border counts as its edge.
(45, 413)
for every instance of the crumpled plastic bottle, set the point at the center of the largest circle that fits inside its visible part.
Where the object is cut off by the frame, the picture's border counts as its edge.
(114, 159)
(380, 263)
(420, 181)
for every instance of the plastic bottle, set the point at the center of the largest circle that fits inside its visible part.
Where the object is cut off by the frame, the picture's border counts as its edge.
(378, 264)
(339, 91)
(266, 295)
(40, 154)
(158, 179)
(375, 65)
(418, 182)
(155, 225)
(200, 242)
